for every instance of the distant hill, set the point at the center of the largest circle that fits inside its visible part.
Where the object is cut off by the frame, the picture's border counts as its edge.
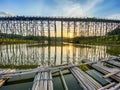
(115, 32)
(6, 14)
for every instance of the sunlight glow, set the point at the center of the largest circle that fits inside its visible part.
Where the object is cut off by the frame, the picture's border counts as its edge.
(71, 35)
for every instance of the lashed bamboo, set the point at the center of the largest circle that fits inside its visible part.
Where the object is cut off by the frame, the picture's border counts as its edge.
(50, 83)
(97, 85)
(45, 80)
(36, 81)
(83, 80)
(87, 82)
(41, 87)
(99, 67)
(79, 80)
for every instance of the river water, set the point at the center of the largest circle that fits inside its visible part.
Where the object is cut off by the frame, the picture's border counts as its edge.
(26, 56)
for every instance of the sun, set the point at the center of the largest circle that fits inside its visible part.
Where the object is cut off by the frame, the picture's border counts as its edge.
(71, 35)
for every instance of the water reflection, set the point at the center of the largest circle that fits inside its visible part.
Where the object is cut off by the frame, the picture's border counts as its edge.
(31, 56)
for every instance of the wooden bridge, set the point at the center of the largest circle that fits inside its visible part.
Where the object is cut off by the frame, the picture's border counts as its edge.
(57, 26)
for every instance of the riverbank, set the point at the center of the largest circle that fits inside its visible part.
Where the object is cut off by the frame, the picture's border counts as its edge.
(15, 41)
(98, 40)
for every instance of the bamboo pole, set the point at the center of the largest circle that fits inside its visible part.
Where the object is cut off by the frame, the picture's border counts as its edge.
(96, 84)
(91, 82)
(42, 69)
(50, 83)
(36, 81)
(117, 87)
(104, 70)
(114, 63)
(107, 86)
(41, 86)
(63, 80)
(111, 74)
(3, 80)
(45, 80)
(82, 80)
(81, 83)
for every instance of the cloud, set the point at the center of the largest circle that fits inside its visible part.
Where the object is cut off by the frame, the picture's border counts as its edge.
(114, 16)
(74, 8)
(5, 14)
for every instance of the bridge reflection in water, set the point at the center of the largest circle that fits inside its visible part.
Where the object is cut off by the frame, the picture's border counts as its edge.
(31, 56)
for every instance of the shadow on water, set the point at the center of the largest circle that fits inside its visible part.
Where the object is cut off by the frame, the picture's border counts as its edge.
(23, 82)
(71, 82)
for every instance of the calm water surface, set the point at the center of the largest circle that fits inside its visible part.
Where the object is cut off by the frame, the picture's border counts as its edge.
(23, 56)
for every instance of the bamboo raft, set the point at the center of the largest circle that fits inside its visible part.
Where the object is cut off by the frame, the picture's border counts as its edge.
(113, 62)
(43, 81)
(43, 77)
(87, 82)
(99, 67)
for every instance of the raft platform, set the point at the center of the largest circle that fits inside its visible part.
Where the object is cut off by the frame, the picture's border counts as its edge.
(43, 79)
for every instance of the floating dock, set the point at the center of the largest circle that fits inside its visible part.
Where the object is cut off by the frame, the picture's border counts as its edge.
(43, 79)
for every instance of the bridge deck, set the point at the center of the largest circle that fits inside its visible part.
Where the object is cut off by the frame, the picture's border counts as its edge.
(24, 18)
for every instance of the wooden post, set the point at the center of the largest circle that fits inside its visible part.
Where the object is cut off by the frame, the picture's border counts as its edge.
(48, 31)
(42, 31)
(68, 30)
(61, 54)
(55, 28)
(61, 31)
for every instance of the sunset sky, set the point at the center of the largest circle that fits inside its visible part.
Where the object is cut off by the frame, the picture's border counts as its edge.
(71, 8)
